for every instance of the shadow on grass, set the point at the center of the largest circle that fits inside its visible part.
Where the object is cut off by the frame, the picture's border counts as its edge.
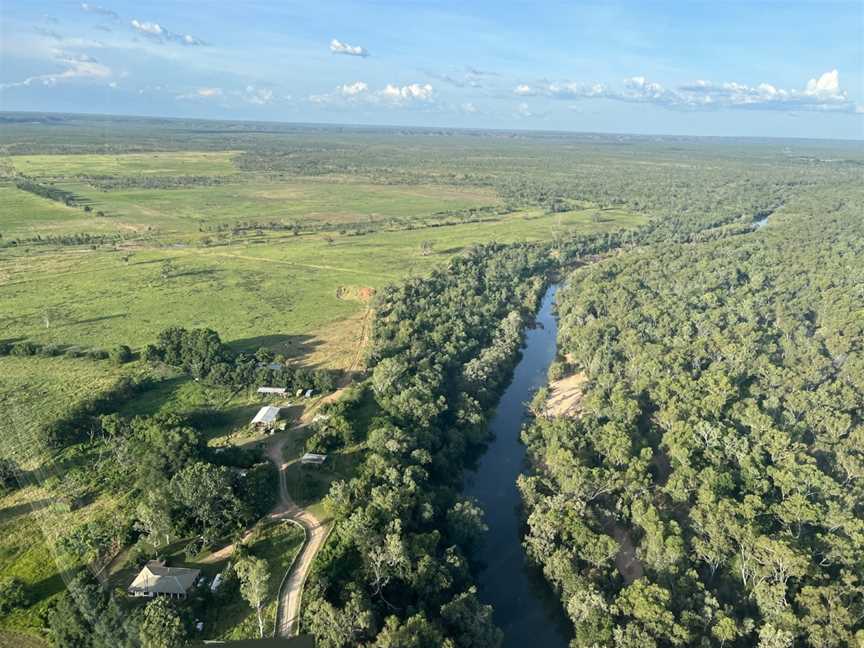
(11, 512)
(294, 346)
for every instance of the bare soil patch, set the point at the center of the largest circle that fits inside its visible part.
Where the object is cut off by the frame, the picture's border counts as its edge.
(565, 396)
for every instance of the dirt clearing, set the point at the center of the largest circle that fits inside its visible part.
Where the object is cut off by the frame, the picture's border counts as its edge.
(565, 396)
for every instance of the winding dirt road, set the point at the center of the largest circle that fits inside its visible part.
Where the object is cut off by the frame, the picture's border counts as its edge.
(291, 592)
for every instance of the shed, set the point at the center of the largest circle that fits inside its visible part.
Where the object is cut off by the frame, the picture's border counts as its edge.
(266, 418)
(279, 391)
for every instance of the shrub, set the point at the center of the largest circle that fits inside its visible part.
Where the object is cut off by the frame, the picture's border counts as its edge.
(12, 594)
(97, 354)
(50, 350)
(120, 354)
(25, 348)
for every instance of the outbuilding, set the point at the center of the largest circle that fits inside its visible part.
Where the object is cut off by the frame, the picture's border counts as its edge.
(314, 459)
(266, 418)
(273, 391)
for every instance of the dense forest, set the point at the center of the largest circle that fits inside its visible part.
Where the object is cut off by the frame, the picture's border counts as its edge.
(712, 491)
(396, 570)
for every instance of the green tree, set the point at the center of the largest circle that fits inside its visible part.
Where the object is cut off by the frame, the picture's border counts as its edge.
(161, 626)
(254, 575)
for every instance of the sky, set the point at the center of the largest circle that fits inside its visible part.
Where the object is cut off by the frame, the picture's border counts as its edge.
(755, 68)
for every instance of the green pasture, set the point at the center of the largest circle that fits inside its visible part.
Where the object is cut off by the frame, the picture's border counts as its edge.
(185, 163)
(276, 290)
(23, 214)
(187, 209)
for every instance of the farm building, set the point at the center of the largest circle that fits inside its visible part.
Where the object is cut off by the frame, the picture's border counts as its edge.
(155, 579)
(278, 391)
(312, 458)
(266, 418)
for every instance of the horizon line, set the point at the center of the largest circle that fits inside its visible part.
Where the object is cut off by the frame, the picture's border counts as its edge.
(465, 129)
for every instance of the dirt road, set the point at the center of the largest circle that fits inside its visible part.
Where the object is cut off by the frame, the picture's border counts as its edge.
(288, 607)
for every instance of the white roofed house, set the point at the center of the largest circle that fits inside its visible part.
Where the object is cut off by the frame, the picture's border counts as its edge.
(266, 418)
(155, 579)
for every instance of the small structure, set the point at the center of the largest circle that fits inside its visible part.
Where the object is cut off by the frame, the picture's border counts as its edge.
(308, 393)
(299, 393)
(266, 418)
(278, 391)
(217, 581)
(314, 459)
(155, 579)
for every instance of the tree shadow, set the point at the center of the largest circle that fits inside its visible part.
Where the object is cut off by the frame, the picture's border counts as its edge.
(296, 347)
(195, 273)
(93, 320)
(11, 512)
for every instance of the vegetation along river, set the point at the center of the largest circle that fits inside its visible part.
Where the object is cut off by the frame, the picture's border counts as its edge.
(525, 608)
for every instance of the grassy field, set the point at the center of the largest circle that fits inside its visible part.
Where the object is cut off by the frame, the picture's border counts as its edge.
(279, 290)
(167, 164)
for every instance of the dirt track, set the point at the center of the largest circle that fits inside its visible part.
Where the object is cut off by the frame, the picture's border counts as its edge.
(288, 606)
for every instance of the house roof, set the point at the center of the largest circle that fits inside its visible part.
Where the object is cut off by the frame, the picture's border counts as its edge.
(266, 414)
(155, 577)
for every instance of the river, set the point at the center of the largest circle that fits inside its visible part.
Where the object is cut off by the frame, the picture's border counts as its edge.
(526, 609)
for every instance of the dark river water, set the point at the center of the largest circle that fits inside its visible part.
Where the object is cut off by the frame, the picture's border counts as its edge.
(525, 607)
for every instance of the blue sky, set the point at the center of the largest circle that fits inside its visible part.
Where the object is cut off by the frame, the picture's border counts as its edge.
(694, 68)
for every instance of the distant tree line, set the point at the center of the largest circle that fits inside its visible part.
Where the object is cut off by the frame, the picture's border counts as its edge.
(45, 191)
(144, 181)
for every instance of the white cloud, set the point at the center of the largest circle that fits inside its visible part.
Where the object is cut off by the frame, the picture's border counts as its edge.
(406, 93)
(573, 90)
(257, 96)
(353, 89)
(96, 9)
(77, 66)
(338, 47)
(823, 93)
(391, 94)
(160, 34)
(202, 93)
(826, 85)
(522, 110)
(150, 28)
(469, 108)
